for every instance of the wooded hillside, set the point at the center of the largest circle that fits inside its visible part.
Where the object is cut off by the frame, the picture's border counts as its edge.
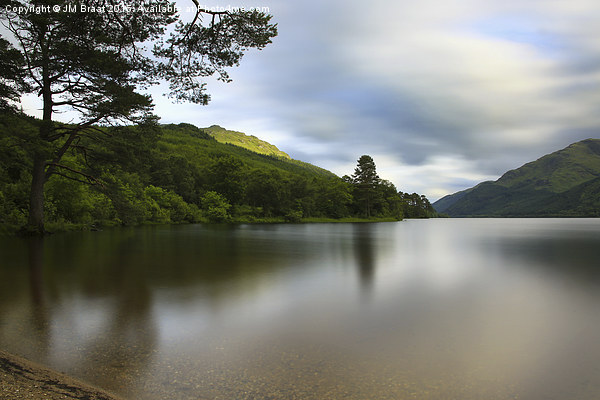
(175, 174)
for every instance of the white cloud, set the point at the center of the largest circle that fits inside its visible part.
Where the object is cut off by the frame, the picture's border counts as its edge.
(441, 94)
(497, 95)
(434, 178)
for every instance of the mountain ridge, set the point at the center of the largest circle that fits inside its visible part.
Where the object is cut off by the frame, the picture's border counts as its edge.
(563, 183)
(560, 170)
(240, 139)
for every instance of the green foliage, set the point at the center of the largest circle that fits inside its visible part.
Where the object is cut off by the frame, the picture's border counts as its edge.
(12, 76)
(95, 63)
(374, 197)
(75, 203)
(245, 213)
(390, 200)
(15, 164)
(293, 216)
(216, 207)
(416, 206)
(240, 139)
(333, 198)
(126, 193)
(194, 50)
(366, 183)
(177, 174)
(559, 171)
(225, 176)
(563, 183)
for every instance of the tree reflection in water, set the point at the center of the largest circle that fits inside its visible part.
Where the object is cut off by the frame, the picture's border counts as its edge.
(365, 256)
(120, 340)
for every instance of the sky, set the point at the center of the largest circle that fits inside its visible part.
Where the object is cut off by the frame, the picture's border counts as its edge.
(442, 94)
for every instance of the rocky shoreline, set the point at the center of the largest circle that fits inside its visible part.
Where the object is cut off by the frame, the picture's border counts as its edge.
(23, 379)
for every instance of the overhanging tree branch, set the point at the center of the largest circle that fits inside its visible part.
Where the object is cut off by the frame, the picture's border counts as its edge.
(90, 179)
(94, 64)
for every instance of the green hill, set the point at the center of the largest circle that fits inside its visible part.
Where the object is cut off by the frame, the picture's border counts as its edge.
(240, 139)
(563, 183)
(202, 144)
(559, 171)
(445, 202)
(176, 173)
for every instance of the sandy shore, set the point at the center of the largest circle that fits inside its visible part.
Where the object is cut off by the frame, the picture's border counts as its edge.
(22, 379)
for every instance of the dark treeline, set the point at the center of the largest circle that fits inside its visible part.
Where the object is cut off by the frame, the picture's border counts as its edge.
(376, 197)
(178, 173)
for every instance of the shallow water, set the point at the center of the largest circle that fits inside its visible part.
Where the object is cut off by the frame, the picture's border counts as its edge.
(423, 309)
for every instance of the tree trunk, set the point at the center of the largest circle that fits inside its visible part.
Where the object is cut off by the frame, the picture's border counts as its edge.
(35, 225)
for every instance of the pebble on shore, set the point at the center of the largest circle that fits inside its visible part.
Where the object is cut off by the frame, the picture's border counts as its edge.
(23, 379)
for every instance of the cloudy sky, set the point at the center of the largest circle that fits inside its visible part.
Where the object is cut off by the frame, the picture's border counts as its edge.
(441, 93)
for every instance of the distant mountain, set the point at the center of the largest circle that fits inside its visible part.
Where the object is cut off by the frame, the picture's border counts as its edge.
(240, 139)
(563, 183)
(445, 202)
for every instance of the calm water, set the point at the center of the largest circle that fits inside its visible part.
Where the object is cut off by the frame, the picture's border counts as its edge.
(432, 309)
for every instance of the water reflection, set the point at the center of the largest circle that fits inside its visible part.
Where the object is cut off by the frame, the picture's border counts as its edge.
(553, 254)
(35, 247)
(128, 332)
(364, 246)
(94, 325)
(465, 309)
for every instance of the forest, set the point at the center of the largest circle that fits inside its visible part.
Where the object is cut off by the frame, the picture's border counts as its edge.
(153, 173)
(113, 164)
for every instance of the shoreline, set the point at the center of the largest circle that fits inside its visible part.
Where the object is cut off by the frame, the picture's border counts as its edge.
(24, 379)
(52, 228)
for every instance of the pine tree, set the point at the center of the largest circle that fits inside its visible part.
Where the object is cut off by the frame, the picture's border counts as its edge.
(96, 64)
(366, 181)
